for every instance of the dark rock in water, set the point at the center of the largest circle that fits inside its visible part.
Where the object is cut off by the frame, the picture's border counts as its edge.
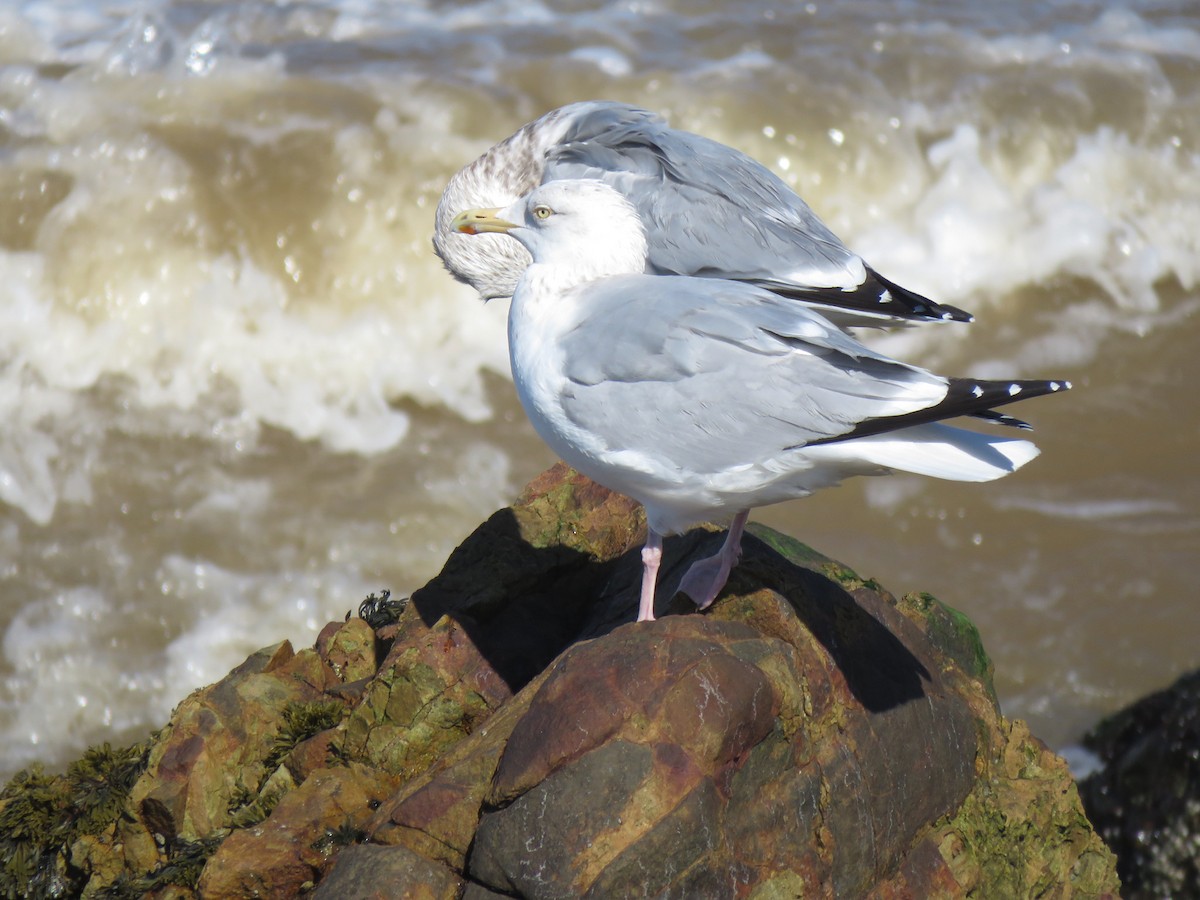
(513, 733)
(1145, 801)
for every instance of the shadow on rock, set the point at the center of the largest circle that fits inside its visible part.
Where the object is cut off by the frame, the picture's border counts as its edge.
(880, 671)
(844, 615)
(519, 603)
(523, 604)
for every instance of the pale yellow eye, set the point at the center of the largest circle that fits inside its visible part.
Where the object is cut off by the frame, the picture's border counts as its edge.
(541, 211)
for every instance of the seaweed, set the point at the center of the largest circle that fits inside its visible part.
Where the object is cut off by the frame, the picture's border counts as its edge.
(250, 805)
(248, 809)
(300, 722)
(42, 815)
(335, 838)
(185, 862)
(99, 783)
(379, 610)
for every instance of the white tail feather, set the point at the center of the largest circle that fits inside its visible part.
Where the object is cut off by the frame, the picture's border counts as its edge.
(937, 450)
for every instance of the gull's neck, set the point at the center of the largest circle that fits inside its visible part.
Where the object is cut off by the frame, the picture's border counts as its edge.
(551, 297)
(619, 250)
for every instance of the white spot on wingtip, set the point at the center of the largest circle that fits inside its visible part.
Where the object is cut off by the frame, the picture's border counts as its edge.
(1013, 390)
(885, 296)
(977, 391)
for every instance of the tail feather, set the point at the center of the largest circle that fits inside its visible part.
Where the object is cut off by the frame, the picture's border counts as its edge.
(939, 451)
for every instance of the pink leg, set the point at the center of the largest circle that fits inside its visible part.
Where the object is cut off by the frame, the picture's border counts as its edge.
(651, 557)
(705, 578)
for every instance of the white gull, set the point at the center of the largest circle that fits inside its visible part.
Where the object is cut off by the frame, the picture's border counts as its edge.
(703, 398)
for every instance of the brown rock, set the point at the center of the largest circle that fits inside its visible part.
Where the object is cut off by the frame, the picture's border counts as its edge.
(219, 740)
(349, 649)
(433, 689)
(675, 728)
(712, 702)
(311, 754)
(436, 813)
(291, 848)
(809, 735)
(368, 872)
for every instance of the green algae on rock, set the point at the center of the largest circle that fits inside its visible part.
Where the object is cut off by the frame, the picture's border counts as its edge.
(509, 731)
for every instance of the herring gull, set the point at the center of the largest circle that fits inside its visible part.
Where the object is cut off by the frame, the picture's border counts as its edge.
(702, 398)
(706, 209)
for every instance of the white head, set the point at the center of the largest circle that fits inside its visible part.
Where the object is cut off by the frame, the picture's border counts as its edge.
(585, 226)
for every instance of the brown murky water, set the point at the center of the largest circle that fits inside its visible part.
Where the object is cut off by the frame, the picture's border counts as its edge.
(239, 392)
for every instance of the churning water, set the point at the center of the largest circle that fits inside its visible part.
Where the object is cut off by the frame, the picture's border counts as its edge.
(238, 392)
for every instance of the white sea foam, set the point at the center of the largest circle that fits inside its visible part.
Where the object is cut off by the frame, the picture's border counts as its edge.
(128, 278)
(1093, 510)
(71, 653)
(222, 328)
(1081, 761)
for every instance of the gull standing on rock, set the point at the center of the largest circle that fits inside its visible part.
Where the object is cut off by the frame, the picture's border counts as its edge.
(706, 210)
(703, 398)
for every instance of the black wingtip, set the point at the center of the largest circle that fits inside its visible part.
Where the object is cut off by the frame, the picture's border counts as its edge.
(876, 297)
(954, 314)
(973, 396)
(964, 397)
(910, 304)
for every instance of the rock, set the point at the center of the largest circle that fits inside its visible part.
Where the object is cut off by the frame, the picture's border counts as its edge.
(218, 747)
(280, 857)
(433, 689)
(370, 872)
(612, 782)
(436, 813)
(1025, 797)
(349, 648)
(1145, 801)
(511, 732)
(753, 768)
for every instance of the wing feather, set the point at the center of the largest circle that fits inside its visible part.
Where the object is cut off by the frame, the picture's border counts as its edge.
(715, 375)
(712, 211)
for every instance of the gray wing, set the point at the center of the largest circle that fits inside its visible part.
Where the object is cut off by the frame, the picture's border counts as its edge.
(712, 211)
(713, 374)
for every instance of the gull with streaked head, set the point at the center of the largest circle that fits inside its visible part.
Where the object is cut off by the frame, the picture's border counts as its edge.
(706, 210)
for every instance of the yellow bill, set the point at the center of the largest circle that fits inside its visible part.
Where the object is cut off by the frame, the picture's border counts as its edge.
(481, 221)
